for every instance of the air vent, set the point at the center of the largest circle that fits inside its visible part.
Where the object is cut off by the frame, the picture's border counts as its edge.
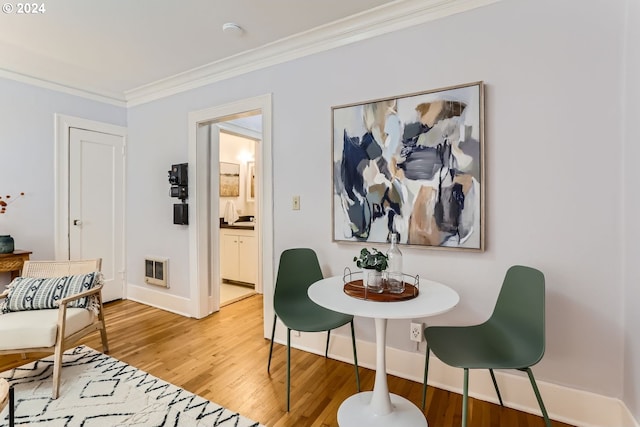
(156, 271)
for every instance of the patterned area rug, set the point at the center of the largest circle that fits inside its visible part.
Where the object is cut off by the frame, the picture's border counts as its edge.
(98, 390)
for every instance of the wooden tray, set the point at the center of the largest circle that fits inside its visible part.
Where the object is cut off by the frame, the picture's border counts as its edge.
(355, 289)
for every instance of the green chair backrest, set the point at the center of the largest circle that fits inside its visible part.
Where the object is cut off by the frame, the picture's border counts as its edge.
(298, 269)
(520, 310)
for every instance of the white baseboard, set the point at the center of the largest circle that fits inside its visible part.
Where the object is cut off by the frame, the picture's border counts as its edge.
(563, 404)
(161, 300)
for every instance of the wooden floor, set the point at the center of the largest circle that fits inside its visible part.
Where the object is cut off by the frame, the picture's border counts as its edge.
(223, 358)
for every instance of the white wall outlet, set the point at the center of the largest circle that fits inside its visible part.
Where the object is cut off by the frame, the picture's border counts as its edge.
(295, 204)
(416, 332)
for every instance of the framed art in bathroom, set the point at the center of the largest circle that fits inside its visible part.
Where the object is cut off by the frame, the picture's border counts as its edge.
(413, 165)
(229, 179)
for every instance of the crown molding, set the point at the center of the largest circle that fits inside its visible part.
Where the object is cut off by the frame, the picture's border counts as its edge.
(104, 97)
(384, 19)
(381, 20)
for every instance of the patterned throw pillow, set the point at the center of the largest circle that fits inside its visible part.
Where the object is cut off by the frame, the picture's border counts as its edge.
(28, 293)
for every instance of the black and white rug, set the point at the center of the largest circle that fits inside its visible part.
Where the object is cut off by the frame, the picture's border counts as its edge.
(98, 390)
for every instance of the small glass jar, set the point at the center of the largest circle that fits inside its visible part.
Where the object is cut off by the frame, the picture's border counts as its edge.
(373, 280)
(395, 282)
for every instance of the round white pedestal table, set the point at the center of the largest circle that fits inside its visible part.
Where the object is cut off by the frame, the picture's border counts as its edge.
(379, 407)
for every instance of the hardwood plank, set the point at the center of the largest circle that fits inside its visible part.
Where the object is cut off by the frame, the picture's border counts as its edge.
(223, 358)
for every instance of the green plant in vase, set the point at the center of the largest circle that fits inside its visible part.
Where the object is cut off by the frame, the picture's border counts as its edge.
(373, 263)
(372, 260)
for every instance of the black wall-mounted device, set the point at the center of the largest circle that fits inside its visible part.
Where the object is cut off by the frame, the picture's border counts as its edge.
(180, 191)
(178, 175)
(181, 214)
(179, 180)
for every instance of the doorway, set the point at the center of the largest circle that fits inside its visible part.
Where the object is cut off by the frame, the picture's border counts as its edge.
(204, 231)
(239, 140)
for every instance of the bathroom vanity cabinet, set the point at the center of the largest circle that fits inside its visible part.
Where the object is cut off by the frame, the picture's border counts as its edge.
(239, 250)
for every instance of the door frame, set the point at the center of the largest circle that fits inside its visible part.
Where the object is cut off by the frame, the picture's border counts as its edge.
(204, 240)
(62, 127)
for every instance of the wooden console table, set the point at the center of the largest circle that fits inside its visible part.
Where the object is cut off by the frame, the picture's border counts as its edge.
(13, 262)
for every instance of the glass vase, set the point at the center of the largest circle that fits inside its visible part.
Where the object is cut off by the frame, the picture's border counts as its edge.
(395, 282)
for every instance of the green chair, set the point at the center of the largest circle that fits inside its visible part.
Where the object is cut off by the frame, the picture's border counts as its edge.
(512, 338)
(299, 269)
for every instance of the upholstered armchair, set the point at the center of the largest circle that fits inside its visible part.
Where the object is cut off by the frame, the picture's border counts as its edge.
(50, 307)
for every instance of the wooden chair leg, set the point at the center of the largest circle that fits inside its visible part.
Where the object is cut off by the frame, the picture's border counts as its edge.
(57, 367)
(103, 329)
(103, 336)
(59, 349)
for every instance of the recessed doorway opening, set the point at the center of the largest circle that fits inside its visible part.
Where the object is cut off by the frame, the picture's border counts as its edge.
(205, 127)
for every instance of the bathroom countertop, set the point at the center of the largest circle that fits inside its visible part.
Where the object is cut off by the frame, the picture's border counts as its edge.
(236, 226)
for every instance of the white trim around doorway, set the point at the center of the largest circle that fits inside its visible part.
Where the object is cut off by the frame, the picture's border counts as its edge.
(204, 238)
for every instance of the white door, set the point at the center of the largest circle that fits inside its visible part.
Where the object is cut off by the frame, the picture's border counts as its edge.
(96, 204)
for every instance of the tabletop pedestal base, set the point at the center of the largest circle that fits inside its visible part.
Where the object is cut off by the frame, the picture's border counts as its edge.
(357, 412)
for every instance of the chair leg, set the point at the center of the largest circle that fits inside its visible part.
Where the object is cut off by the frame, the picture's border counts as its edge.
(547, 422)
(103, 336)
(465, 397)
(495, 384)
(288, 368)
(12, 407)
(355, 355)
(103, 329)
(273, 333)
(57, 367)
(326, 349)
(426, 373)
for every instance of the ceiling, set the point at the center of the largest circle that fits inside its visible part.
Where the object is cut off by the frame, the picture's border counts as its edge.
(111, 48)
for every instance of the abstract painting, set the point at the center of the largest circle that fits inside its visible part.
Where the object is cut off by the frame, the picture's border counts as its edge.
(412, 165)
(229, 179)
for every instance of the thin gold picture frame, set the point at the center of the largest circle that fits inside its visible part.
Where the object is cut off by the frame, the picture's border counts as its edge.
(229, 179)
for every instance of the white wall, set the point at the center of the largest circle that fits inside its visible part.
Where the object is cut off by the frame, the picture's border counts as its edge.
(27, 159)
(553, 157)
(631, 203)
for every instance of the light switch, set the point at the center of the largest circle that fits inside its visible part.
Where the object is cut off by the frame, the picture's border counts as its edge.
(295, 205)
